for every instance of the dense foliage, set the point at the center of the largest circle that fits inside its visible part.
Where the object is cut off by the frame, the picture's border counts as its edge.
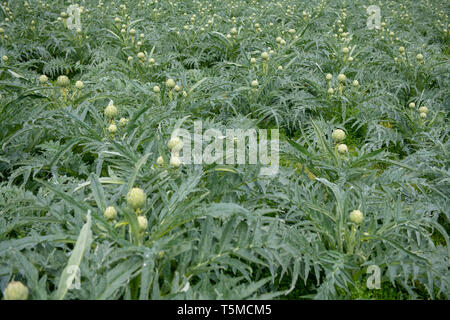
(222, 231)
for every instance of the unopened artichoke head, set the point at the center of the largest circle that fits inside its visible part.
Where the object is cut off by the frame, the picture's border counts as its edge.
(175, 144)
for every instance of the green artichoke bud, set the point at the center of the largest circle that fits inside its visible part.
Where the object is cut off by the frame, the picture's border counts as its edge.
(112, 128)
(175, 161)
(356, 216)
(79, 84)
(175, 144)
(16, 290)
(63, 81)
(43, 79)
(338, 135)
(123, 122)
(143, 223)
(136, 198)
(423, 109)
(141, 55)
(342, 148)
(110, 213)
(110, 110)
(170, 83)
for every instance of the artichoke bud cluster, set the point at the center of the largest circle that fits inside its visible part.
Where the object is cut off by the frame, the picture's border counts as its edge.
(170, 83)
(136, 199)
(346, 50)
(341, 78)
(175, 145)
(111, 112)
(423, 112)
(280, 41)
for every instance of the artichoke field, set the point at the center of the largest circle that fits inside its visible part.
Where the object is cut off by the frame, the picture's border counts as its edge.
(96, 201)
